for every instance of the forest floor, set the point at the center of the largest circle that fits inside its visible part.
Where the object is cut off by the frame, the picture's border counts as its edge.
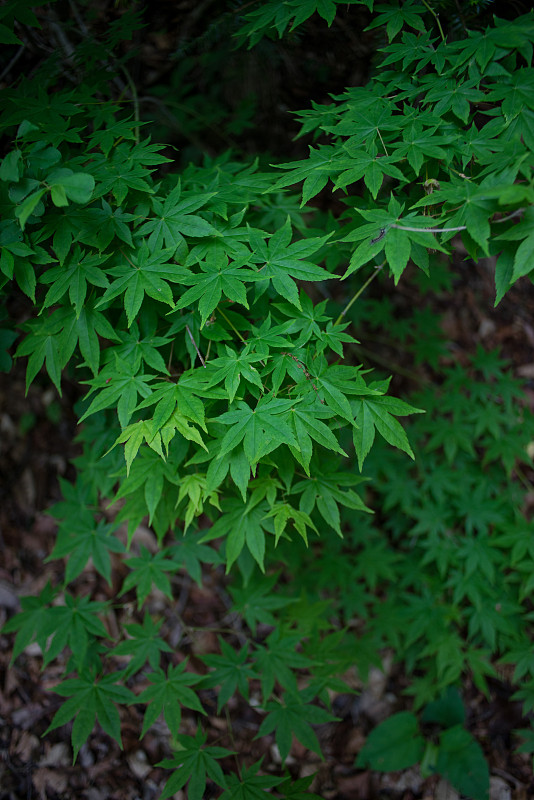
(37, 439)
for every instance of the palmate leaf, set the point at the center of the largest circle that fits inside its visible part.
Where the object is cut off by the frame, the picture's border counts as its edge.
(74, 624)
(307, 425)
(149, 569)
(136, 349)
(32, 622)
(232, 367)
(91, 699)
(325, 492)
(167, 694)
(230, 671)
(379, 413)
(80, 543)
(119, 387)
(282, 262)
(282, 513)
(257, 602)
(193, 762)
(73, 276)
(241, 525)
(292, 716)
(143, 272)
(274, 662)
(143, 644)
(261, 429)
(218, 276)
(249, 785)
(174, 220)
(170, 398)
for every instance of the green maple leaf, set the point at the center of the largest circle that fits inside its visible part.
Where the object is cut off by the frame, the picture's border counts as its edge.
(516, 93)
(261, 429)
(256, 602)
(230, 671)
(124, 169)
(291, 716)
(87, 327)
(249, 785)
(174, 220)
(143, 272)
(94, 226)
(274, 661)
(420, 49)
(73, 276)
(306, 421)
(33, 622)
(82, 542)
(189, 554)
(75, 624)
(395, 18)
(305, 319)
(218, 276)
(91, 699)
(378, 413)
(325, 8)
(119, 388)
(171, 397)
(421, 141)
(167, 694)
(241, 525)
(315, 171)
(283, 261)
(298, 790)
(267, 336)
(135, 350)
(143, 645)
(324, 491)
(232, 367)
(149, 569)
(193, 762)
(371, 168)
(282, 513)
(49, 342)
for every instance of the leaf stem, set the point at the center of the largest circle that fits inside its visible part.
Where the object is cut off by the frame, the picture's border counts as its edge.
(199, 354)
(359, 292)
(223, 315)
(436, 17)
(515, 213)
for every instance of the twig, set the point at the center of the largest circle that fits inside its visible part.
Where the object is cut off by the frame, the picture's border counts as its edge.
(358, 293)
(515, 213)
(195, 346)
(436, 17)
(429, 230)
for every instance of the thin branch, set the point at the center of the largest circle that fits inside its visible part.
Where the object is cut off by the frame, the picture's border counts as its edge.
(358, 293)
(429, 230)
(199, 354)
(515, 213)
(436, 17)
(223, 315)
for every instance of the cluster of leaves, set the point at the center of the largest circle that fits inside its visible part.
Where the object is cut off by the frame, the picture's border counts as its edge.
(219, 402)
(451, 551)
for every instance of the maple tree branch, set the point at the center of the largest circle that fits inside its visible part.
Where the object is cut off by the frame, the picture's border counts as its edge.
(359, 292)
(199, 354)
